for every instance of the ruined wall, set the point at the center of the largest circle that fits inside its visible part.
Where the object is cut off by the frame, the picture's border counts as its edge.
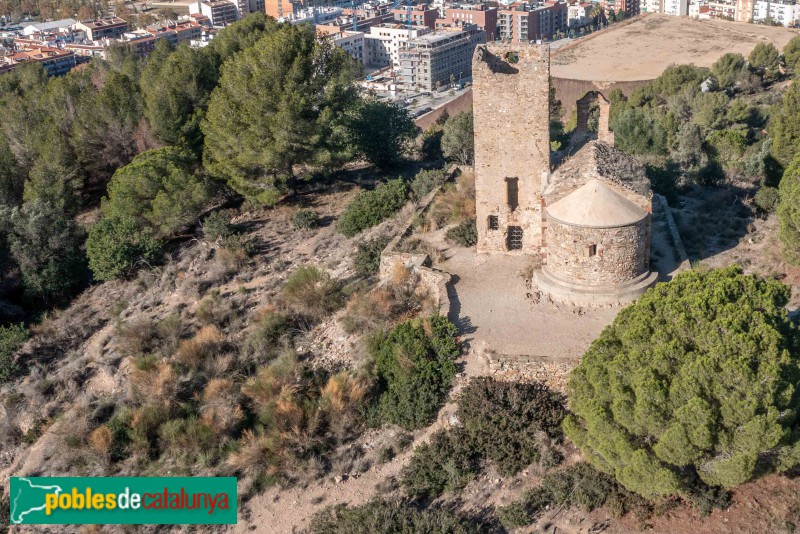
(512, 140)
(569, 91)
(622, 253)
(585, 105)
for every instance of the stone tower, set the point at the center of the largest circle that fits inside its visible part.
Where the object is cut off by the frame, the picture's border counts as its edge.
(511, 87)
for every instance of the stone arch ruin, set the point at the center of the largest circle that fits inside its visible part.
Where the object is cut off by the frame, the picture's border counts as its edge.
(584, 109)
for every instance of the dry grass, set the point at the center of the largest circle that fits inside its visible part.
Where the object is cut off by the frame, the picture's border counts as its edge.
(454, 204)
(158, 384)
(220, 408)
(100, 440)
(194, 352)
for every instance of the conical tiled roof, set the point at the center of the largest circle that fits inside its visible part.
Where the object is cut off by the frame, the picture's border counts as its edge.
(595, 205)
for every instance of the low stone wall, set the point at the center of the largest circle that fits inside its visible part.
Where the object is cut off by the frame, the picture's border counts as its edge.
(661, 203)
(432, 281)
(523, 368)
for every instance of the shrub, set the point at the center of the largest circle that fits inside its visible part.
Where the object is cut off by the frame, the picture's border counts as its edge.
(267, 337)
(116, 247)
(578, 485)
(216, 226)
(385, 517)
(766, 199)
(312, 292)
(706, 498)
(11, 337)
(506, 420)
(367, 259)
(426, 181)
(217, 229)
(692, 378)
(464, 234)
(305, 220)
(368, 208)
(414, 365)
(447, 463)
(186, 439)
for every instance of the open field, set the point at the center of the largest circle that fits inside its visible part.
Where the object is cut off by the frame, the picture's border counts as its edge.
(642, 48)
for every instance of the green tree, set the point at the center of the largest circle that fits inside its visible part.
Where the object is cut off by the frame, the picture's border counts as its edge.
(106, 125)
(765, 60)
(45, 244)
(784, 125)
(278, 104)
(789, 212)
(12, 181)
(708, 110)
(242, 35)
(728, 69)
(688, 151)
(160, 188)
(791, 53)
(380, 132)
(176, 92)
(458, 139)
(696, 379)
(637, 132)
(117, 246)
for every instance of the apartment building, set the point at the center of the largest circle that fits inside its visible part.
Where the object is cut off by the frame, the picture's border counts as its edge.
(56, 62)
(177, 32)
(481, 15)
(383, 43)
(527, 23)
(722, 9)
(421, 15)
(219, 12)
(430, 61)
(783, 12)
(677, 8)
(579, 14)
(108, 28)
(630, 8)
(352, 43)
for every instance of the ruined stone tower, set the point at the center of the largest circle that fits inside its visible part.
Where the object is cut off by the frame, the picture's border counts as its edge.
(511, 84)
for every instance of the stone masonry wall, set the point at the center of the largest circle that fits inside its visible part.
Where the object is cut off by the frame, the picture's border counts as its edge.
(621, 253)
(512, 140)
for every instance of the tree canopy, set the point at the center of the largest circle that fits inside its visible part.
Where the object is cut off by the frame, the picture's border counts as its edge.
(458, 139)
(278, 104)
(380, 132)
(159, 188)
(789, 212)
(784, 125)
(697, 379)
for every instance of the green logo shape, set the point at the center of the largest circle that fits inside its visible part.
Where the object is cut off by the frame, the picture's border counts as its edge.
(123, 500)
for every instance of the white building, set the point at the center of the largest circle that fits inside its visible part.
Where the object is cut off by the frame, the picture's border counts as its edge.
(578, 14)
(43, 27)
(651, 6)
(314, 15)
(383, 43)
(784, 12)
(352, 43)
(219, 12)
(678, 8)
